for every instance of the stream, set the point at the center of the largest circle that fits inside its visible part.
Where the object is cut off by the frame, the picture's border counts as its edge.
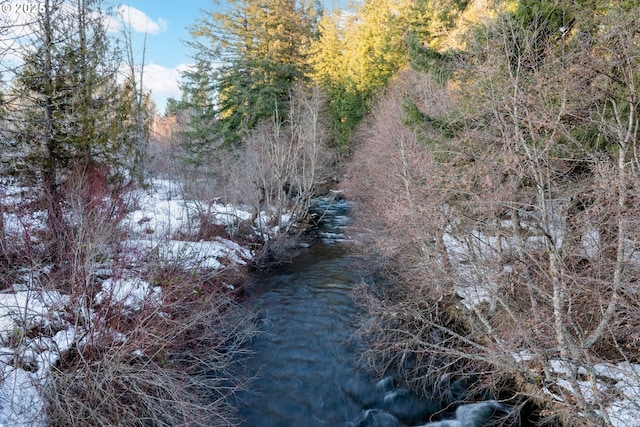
(303, 371)
(305, 351)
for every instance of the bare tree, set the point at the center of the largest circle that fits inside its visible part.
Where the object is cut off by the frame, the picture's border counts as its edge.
(507, 214)
(284, 161)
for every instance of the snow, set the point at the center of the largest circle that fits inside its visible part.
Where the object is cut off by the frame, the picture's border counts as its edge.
(163, 213)
(624, 411)
(523, 356)
(204, 254)
(19, 221)
(475, 285)
(620, 383)
(229, 215)
(25, 309)
(613, 388)
(154, 230)
(129, 294)
(188, 254)
(20, 402)
(264, 220)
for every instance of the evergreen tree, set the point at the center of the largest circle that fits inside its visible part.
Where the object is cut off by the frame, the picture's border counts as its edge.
(355, 56)
(71, 114)
(260, 49)
(199, 101)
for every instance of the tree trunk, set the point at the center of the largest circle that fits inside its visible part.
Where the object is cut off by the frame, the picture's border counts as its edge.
(55, 217)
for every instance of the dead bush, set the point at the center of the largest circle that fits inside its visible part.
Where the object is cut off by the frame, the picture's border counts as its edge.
(166, 365)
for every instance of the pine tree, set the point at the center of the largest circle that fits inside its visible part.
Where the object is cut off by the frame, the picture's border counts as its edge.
(260, 49)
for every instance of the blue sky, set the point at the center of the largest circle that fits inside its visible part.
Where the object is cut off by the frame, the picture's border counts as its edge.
(165, 24)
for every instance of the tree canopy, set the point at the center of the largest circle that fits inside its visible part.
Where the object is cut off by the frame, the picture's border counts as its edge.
(248, 56)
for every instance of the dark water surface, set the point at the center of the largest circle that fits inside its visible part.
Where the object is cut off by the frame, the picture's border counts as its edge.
(303, 371)
(305, 357)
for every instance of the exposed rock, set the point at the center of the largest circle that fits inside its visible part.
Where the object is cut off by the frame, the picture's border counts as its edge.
(376, 418)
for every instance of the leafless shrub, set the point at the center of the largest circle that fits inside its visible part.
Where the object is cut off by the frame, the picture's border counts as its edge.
(277, 251)
(283, 162)
(160, 364)
(509, 224)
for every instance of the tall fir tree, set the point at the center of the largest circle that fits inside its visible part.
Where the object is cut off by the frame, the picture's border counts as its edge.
(260, 49)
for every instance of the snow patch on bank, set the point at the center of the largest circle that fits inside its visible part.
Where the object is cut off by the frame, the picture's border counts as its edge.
(128, 294)
(24, 361)
(28, 310)
(213, 255)
(164, 213)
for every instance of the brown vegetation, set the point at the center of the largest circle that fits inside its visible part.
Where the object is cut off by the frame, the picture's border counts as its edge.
(166, 359)
(505, 216)
(161, 364)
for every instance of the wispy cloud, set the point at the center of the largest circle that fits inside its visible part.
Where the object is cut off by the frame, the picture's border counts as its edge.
(139, 21)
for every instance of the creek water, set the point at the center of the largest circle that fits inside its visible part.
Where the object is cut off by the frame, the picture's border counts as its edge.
(305, 356)
(303, 371)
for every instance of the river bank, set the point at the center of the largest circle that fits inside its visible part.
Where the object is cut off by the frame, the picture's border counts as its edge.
(158, 307)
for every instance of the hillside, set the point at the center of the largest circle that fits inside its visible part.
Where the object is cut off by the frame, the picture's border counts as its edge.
(497, 185)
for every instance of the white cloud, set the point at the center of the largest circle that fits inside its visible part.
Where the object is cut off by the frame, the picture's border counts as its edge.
(163, 83)
(139, 21)
(111, 23)
(162, 80)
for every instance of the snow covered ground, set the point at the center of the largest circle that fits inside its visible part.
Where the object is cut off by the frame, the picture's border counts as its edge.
(34, 331)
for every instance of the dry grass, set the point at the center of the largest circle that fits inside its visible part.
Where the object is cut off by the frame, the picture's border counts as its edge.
(169, 365)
